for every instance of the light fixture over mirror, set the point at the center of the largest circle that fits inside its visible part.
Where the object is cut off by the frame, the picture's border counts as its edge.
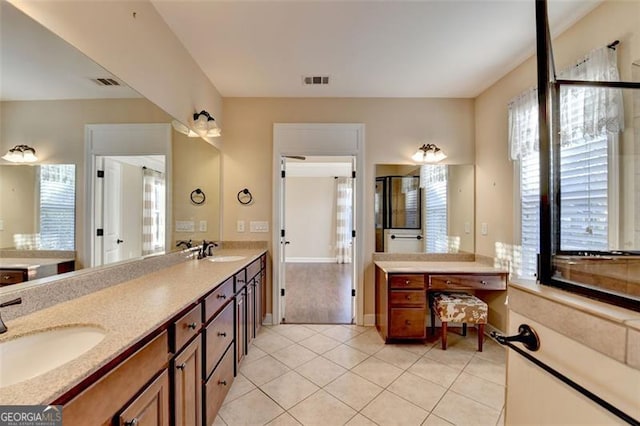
(428, 153)
(205, 125)
(21, 154)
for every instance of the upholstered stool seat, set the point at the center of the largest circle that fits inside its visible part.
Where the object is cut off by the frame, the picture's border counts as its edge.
(460, 308)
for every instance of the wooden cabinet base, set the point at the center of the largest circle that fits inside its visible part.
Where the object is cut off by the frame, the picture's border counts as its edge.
(151, 407)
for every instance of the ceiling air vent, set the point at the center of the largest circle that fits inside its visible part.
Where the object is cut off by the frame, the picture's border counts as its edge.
(315, 80)
(107, 81)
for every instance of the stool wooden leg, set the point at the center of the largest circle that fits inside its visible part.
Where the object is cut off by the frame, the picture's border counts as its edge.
(480, 336)
(444, 335)
(433, 321)
(464, 329)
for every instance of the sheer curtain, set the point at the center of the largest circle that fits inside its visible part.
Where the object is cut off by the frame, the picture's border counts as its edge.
(344, 192)
(153, 208)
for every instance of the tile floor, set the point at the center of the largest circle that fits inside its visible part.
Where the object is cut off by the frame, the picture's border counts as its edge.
(345, 374)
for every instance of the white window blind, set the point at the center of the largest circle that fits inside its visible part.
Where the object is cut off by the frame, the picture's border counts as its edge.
(529, 215)
(433, 180)
(57, 206)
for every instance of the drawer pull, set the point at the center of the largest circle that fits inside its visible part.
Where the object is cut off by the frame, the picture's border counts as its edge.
(181, 366)
(222, 382)
(407, 282)
(6, 277)
(448, 282)
(407, 322)
(222, 334)
(192, 326)
(132, 422)
(483, 282)
(221, 296)
(408, 297)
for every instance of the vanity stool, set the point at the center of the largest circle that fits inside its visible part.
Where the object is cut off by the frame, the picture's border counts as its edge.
(458, 307)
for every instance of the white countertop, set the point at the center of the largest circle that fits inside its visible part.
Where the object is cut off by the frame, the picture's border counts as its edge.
(413, 267)
(127, 312)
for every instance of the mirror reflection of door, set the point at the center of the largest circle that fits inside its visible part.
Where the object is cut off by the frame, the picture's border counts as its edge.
(130, 207)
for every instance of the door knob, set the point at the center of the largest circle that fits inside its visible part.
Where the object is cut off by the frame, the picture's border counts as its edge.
(119, 241)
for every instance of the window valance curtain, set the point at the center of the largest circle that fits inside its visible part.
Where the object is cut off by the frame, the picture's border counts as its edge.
(344, 194)
(153, 205)
(523, 124)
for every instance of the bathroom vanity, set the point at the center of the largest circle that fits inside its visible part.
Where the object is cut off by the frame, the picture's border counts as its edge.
(17, 270)
(173, 341)
(402, 291)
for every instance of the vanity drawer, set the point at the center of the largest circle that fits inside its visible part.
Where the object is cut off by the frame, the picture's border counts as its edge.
(12, 276)
(468, 282)
(407, 281)
(219, 335)
(415, 298)
(408, 323)
(240, 280)
(187, 327)
(217, 387)
(215, 301)
(253, 269)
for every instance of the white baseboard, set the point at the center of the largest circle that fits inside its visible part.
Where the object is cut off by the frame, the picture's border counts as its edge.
(311, 260)
(268, 320)
(488, 328)
(369, 320)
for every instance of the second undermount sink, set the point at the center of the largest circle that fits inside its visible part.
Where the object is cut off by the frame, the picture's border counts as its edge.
(226, 258)
(31, 355)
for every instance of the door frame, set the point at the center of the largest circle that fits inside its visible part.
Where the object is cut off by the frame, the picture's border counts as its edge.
(123, 140)
(313, 139)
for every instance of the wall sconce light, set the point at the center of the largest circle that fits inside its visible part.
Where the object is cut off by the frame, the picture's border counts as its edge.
(205, 125)
(428, 153)
(21, 154)
(184, 129)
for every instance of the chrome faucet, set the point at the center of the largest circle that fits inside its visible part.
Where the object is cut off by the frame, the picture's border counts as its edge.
(3, 328)
(187, 244)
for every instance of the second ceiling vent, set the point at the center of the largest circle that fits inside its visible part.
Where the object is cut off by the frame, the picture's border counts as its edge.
(315, 80)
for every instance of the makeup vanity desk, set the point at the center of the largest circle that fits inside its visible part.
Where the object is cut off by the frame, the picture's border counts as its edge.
(402, 291)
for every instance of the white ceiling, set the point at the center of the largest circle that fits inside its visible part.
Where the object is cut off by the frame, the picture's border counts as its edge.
(445, 48)
(35, 64)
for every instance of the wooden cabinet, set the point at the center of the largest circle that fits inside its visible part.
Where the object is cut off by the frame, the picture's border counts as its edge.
(187, 378)
(12, 276)
(187, 327)
(151, 407)
(218, 385)
(218, 337)
(241, 326)
(401, 299)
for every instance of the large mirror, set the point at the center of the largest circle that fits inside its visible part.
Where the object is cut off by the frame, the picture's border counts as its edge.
(424, 209)
(55, 99)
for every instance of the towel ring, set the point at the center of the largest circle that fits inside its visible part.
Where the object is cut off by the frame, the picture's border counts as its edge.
(197, 196)
(245, 197)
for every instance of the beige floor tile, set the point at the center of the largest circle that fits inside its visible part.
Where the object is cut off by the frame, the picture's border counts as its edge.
(500, 421)
(241, 385)
(434, 420)
(346, 356)
(293, 332)
(419, 348)
(367, 342)
(488, 370)
(377, 371)
(340, 333)
(397, 356)
(284, 419)
(493, 352)
(353, 390)
(294, 355)
(318, 327)
(360, 420)
(263, 370)
(321, 371)
(390, 409)
(460, 410)
(322, 409)
(255, 353)
(289, 389)
(262, 411)
(218, 422)
(271, 342)
(481, 390)
(453, 357)
(359, 328)
(434, 371)
(319, 343)
(421, 392)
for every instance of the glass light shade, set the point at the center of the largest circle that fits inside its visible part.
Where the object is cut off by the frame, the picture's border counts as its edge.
(21, 154)
(428, 153)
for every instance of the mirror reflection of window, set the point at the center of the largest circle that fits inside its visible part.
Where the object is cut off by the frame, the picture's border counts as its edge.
(57, 206)
(433, 180)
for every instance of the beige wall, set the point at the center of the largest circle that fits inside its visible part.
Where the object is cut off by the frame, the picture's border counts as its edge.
(394, 129)
(17, 202)
(58, 137)
(310, 214)
(142, 51)
(461, 190)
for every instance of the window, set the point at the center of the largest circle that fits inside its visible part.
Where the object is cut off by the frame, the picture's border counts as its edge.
(433, 180)
(57, 207)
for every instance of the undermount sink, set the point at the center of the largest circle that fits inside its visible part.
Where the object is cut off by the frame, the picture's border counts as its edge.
(226, 258)
(31, 355)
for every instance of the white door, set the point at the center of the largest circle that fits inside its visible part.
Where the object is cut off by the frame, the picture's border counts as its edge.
(283, 240)
(113, 238)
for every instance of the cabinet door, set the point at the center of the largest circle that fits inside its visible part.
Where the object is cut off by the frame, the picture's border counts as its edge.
(259, 294)
(187, 371)
(240, 326)
(251, 312)
(218, 385)
(151, 407)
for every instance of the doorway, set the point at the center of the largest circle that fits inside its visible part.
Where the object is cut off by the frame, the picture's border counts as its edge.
(316, 140)
(318, 248)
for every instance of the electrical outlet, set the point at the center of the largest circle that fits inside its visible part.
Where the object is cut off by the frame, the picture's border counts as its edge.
(203, 226)
(484, 228)
(1, 225)
(185, 226)
(258, 226)
(240, 226)
(467, 227)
